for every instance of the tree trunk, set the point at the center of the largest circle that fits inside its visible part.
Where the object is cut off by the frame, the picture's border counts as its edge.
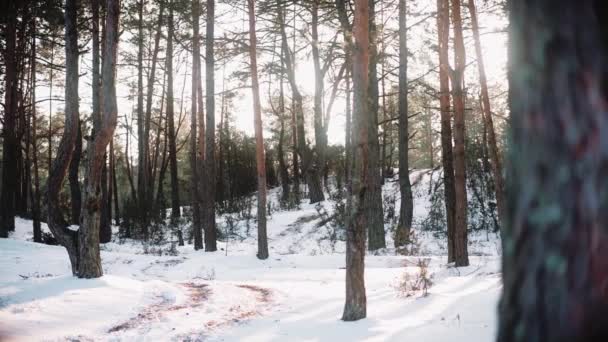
(9, 135)
(175, 204)
(373, 193)
(147, 119)
(114, 184)
(461, 255)
(259, 138)
(308, 168)
(405, 187)
(196, 58)
(320, 137)
(88, 234)
(76, 197)
(555, 237)
(34, 140)
(487, 115)
(447, 159)
(355, 307)
(142, 138)
(209, 201)
(284, 172)
(55, 220)
(105, 226)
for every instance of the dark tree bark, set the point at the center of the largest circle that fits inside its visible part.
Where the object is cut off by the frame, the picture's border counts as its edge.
(373, 193)
(196, 60)
(259, 138)
(461, 255)
(55, 220)
(487, 115)
(10, 143)
(114, 184)
(88, 234)
(210, 189)
(76, 196)
(447, 158)
(105, 225)
(34, 140)
(405, 188)
(142, 141)
(175, 204)
(355, 306)
(555, 237)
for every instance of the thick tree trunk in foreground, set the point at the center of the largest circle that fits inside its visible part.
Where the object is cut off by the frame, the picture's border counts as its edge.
(405, 188)
(196, 199)
(88, 234)
(210, 185)
(56, 222)
(355, 307)
(447, 157)
(487, 115)
(461, 254)
(555, 237)
(259, 138)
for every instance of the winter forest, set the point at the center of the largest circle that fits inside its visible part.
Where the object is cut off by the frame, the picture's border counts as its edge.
(303, 170)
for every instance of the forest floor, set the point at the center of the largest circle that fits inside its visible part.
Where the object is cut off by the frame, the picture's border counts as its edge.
(295, 295)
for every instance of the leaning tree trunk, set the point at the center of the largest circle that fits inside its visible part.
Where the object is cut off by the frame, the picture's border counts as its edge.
(259, 138)
(487, 115)
(88, 234)
(447, 158)
(355, 306)
(555, 237)
(405, 187)
(55, 220)
(211, 184)
(461, 255)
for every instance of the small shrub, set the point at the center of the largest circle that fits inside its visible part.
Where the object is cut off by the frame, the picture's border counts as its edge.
(409, 284)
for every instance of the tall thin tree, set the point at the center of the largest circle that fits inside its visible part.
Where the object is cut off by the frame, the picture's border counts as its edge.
(211, 184)
(447, 156)
(405, 187)
(355, 306)
(259, 138)
(196, 64)
(461, 255)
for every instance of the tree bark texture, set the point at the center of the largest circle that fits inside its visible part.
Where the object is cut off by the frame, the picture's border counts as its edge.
(555, 237)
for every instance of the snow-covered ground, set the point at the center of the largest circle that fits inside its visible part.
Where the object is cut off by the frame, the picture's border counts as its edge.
(295, 295)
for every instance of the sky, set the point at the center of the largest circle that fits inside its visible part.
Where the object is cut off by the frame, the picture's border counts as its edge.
(493, 46)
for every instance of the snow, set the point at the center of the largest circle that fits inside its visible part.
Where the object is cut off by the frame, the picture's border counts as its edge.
(295, 295)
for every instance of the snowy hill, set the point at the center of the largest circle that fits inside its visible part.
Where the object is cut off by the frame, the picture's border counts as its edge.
(295, 295)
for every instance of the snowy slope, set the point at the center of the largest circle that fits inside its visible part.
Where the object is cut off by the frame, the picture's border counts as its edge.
(295, 295)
